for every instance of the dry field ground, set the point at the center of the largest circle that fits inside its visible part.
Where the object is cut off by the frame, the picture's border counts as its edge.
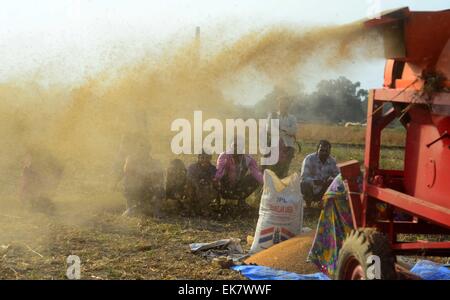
(88, 223)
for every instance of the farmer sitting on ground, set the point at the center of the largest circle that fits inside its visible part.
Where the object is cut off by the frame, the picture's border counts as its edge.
(318, 171)
(41, 175)
(176, 181)
(128, 144)
(237, 174)
(200, 178)
(143, 182)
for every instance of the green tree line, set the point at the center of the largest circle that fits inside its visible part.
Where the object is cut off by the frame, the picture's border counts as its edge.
(333, 101)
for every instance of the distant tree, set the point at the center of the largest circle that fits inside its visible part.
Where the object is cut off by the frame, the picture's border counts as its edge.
(268, 103)
(339, 100)
(334, 101)
(324, 108)
(302, 108)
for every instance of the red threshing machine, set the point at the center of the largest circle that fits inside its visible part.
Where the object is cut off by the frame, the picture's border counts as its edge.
(417, 90)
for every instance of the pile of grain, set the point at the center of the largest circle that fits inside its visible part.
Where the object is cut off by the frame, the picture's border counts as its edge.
(289, 255)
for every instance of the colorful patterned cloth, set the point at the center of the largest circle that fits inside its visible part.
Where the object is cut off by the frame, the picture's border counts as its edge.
(335, 222)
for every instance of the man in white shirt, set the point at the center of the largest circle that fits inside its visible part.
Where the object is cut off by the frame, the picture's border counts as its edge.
(287, 141)
(317, 172)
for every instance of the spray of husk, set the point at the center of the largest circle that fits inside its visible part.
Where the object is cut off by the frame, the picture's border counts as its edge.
(82, 127)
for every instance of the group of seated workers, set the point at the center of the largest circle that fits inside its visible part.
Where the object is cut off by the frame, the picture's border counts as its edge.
(236, 177)
(193, 188)
(200, 185)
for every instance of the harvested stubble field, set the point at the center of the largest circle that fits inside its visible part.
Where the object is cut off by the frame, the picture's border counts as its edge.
(109, 246)
(88, 223)
(354, 135)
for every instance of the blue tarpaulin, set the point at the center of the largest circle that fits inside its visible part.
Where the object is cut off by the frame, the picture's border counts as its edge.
(266, 273)
(429, 270)
(425, 269)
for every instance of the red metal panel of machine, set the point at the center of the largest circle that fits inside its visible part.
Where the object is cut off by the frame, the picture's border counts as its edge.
(426, 34)
(427, 156)
(443, 63)
(426, 43)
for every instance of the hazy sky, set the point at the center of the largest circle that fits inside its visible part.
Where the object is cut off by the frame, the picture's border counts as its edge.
(74, 38)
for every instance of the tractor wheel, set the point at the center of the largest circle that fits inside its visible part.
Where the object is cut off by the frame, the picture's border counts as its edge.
(358, 248)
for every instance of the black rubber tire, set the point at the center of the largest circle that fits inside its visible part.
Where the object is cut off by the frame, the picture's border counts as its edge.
(361, 244)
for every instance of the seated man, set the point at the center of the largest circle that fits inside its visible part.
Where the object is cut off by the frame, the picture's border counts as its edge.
(143, 183)
(237, 175)
(318, 171)
(200, 176)
(41, 175)
(176, 181)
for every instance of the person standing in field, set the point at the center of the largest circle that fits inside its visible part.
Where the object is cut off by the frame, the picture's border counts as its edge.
(287, 142)
(317, 172)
